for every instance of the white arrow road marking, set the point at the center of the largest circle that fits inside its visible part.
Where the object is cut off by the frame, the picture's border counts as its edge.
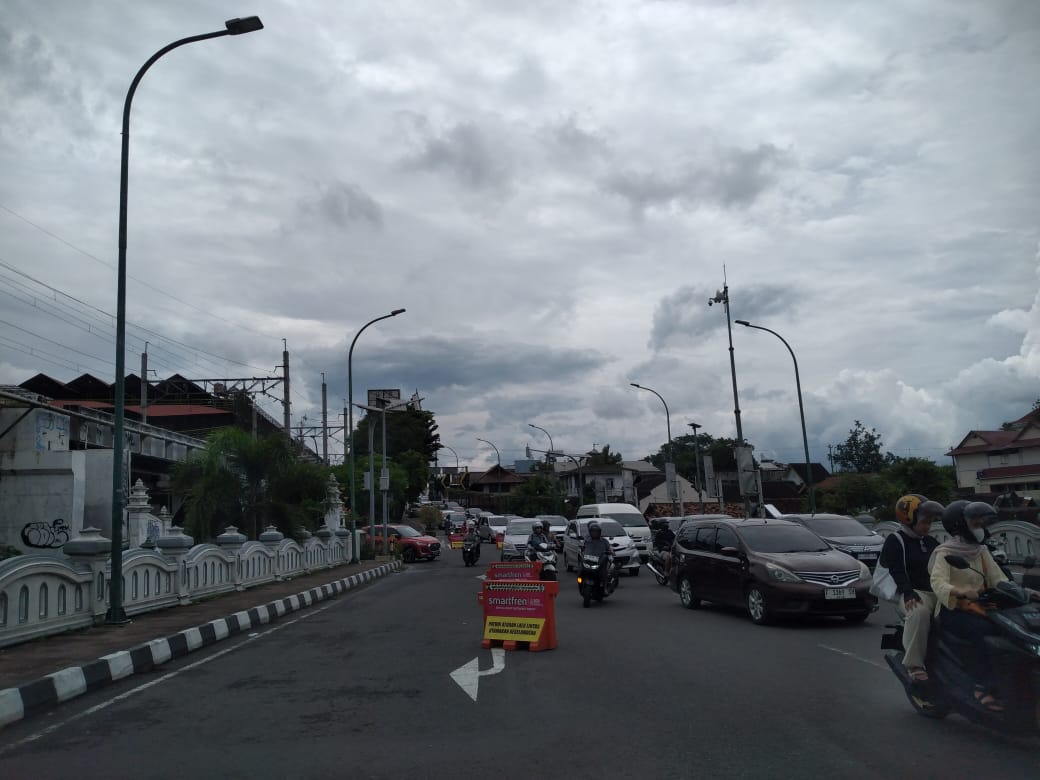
(481, 576)
(468, 675)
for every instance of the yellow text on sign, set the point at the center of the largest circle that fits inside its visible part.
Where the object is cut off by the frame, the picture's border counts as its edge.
(514, 628)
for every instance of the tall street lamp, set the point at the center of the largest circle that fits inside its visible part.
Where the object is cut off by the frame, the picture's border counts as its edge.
(551, 447)
(697, 469)
(116, 614)
(801, 412)
(449, 449)
(581, 481)
(676, 488)
(349, 438)
(495, 448)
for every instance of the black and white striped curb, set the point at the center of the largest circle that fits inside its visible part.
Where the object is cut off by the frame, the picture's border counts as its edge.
(17, 703)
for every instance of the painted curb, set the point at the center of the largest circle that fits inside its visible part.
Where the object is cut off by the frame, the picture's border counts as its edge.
(17, 703)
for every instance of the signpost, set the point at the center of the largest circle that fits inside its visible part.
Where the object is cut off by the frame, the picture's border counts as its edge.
(519, 611)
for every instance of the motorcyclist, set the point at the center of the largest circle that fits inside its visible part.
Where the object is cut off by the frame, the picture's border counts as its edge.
(957, 592)
(596, 545)
(664, 538)
(539, 536)
(906, 558)
(472, 537)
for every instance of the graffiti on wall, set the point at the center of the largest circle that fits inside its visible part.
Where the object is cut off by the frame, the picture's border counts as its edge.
(52, 432)
(43, 536)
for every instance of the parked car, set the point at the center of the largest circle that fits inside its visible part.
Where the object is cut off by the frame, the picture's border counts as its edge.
(514, 543)
(626, 554)
(629, 517)
(846, 534)
(557, 528)
(415, 546)
(770, 567)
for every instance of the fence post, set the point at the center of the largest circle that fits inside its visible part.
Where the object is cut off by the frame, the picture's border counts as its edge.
(91, 548)
(231, 541)
(175, 544)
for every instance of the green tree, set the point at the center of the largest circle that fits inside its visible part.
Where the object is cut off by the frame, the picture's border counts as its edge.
(861, 451)
(603, 457)
(855, 494)
(249, 483)
(540, 494)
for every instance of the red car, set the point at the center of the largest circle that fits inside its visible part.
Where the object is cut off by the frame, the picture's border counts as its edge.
(415, 546)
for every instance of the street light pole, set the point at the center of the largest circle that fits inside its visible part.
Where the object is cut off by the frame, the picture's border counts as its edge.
(581, 481)
(495, 448)
(697, 469)
(801, 412)
(116, 613)
(551, 447)
(449, 449)
(671, 450)
(349, 438)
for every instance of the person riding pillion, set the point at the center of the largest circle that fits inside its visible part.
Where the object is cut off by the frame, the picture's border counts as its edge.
(664, 538)
(906, 558)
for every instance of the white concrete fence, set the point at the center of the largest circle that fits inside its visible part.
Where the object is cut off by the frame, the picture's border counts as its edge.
(43, 594)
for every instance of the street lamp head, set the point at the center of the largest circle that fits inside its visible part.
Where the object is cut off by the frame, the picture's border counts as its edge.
(395, 312)
(636, 385)
(246, 25)
(745, 323)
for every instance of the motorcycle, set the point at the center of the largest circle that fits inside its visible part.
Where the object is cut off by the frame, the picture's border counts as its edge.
(1013, 657)
(597, 577)
(656, 566)
(470, 553)
(546, 555)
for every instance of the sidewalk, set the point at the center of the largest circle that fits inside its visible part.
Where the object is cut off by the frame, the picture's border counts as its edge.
(31, 661)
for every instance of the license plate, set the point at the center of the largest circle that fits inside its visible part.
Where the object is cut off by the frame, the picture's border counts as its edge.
(839, 593)
(867, 556)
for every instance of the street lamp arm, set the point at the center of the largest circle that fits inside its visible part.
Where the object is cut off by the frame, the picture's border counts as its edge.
(497, 455)
(801, 411)
(538, 427)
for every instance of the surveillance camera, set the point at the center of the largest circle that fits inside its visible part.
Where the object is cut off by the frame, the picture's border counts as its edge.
(711, 301)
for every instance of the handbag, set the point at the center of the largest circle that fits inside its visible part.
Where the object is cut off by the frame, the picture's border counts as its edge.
(882, 584)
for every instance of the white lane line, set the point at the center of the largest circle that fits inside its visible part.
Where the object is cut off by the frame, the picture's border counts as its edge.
(169, 676)
(847, 654)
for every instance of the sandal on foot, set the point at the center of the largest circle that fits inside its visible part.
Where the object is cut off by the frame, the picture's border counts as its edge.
(917, 674)
(988, 700)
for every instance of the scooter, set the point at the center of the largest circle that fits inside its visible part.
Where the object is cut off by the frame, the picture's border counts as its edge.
(1013, 656)
(593, 583)
(470, 553)
(547, 556)
(656, 566)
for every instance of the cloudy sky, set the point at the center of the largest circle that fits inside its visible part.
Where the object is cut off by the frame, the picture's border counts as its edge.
(553, 190)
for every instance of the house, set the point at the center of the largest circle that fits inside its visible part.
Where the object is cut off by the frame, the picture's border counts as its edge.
(1000, 462)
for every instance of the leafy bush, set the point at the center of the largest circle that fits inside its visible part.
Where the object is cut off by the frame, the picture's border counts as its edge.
(430, 518)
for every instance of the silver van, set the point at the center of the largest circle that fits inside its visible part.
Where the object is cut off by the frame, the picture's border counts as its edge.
(630, 518)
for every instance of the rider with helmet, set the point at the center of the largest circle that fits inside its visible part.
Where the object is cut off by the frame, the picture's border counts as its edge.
(596, 545)
(956, 590)
(905, 554)
(539, 535)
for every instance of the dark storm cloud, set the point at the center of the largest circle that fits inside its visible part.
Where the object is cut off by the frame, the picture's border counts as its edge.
(733, 178)
(468, 153)
(685, 315)
(343, 204)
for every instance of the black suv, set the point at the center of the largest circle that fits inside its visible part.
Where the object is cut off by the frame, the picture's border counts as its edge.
(770, 567)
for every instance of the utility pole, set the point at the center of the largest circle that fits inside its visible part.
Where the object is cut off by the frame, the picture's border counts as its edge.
(285, 388)
(324, 420)
(144, 384)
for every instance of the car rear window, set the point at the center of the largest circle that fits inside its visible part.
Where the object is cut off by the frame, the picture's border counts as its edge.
(608, 527)
(782, 539)
(834, 525)
(519, 527)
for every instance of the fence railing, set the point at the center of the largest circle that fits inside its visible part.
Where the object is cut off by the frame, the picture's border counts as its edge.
(1019, 539)
(42, 595)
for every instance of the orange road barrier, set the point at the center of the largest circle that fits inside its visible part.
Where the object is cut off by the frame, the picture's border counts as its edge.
(519, 612)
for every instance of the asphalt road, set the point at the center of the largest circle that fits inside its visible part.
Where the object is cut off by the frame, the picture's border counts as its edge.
(638, 687)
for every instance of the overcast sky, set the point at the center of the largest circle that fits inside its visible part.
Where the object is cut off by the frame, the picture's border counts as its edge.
(553, 191)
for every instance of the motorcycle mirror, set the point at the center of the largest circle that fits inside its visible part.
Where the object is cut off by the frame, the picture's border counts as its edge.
(957, 562)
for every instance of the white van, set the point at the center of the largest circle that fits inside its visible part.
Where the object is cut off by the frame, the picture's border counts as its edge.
(630, 518)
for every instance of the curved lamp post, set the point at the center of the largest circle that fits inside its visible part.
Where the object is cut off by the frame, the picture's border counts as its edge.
(495, 448)
(581, 481)
(551, 447)
(116, 614)
(671, 450)
(449, 449)
(801, 411)
(349, 438)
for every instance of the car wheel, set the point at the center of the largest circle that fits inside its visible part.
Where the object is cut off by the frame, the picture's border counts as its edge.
(857, 617)
(408, 556)
(756, 605)
(686, 596)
